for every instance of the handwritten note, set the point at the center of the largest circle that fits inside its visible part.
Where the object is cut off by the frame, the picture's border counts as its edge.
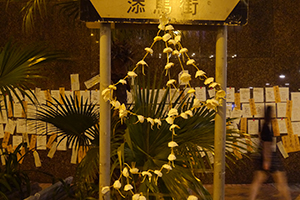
(284, 93)
(200, 93)
(253, 126)
(269, 91)
(243, 125)
(289, 126)
(289, 106)
(275, 127)
(260, 110)
(246, 110)
(230, 91)
(296, 128)
(252, 107)
(258, 94)
(277, 94)
(244, 95)
(282, 126)
(237, 101)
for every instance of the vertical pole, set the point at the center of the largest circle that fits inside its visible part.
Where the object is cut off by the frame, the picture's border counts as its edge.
(220, 119)
(104, 122)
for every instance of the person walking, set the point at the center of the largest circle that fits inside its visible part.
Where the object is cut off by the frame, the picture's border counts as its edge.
(269, 162)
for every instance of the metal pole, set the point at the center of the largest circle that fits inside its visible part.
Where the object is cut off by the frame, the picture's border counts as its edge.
(220, 119)
(105, 118)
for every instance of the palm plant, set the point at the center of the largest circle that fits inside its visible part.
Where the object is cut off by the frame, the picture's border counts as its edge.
(20, 66)
(142, 145)
(13, 179)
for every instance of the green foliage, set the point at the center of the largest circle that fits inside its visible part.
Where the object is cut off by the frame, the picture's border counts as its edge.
(140, 144)
(75, 120)
(13, 179)
(19, 67)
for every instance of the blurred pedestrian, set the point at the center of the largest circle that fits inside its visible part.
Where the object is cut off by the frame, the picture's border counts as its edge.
(269, 162)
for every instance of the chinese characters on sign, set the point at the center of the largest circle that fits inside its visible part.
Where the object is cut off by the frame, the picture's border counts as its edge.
(188, 6)
(164, 6)
(136, 6)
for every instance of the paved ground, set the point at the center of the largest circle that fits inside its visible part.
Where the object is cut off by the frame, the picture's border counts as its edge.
(267, 192)
(241, 191)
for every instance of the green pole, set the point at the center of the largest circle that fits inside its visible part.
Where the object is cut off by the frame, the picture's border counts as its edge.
(220, 119)
(105, 114)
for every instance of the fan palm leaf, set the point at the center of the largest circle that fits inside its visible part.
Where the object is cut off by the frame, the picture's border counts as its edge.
(147, 145)
(75, 120)
(19, 67)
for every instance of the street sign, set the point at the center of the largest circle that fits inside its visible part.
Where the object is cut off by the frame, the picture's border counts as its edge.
(179, 11)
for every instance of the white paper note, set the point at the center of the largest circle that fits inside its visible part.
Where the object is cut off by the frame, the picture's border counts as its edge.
(95, 96)
(62, 144)
(260, 110)
(41, 141)
(295, 113)
(21, 125)
(270, 94)
(282, 126)
(91, 82)
(37, 160)
(211, 92)
(246, 110)
(281, 110)
(16, 140)
(296, 128)
(75, 82)
(284, 94)
(244, 95)
(31, 126)
(230, 94)
(10, 126)
(201, 93)
(3, 117)
(85, 94)
(68, 94)
(258, 94)
(52, 150)
(282, 149)
(31, 95)
(31, 111)
(18, 110)
(295, 97)
(253, 126)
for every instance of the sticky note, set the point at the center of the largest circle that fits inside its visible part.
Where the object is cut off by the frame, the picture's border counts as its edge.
(37, 160)
(237, 101)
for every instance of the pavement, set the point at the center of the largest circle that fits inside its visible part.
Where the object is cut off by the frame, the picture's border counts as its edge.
(267, 191)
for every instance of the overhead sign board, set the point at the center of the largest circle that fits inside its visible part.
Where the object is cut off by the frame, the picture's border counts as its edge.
(180, 11)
